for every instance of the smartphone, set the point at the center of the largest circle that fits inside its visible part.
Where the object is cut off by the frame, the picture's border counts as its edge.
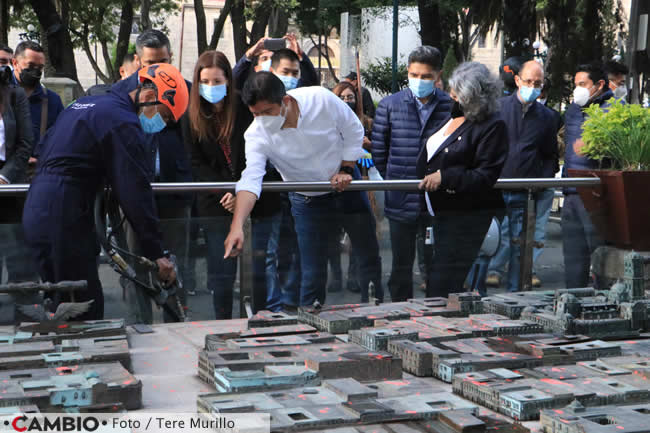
(275, 44)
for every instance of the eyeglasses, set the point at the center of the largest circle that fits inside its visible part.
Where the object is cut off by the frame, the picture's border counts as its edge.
(531, 83)
(347, 98)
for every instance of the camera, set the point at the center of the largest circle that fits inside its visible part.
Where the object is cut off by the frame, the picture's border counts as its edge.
(5, 75)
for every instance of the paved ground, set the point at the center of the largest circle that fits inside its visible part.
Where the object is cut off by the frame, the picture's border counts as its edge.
(550, 271)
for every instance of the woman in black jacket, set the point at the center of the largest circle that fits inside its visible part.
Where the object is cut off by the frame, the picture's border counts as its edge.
(213, 129)
(460, 164)
(16, 144)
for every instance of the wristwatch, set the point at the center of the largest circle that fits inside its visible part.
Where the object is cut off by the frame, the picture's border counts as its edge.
(347, 170)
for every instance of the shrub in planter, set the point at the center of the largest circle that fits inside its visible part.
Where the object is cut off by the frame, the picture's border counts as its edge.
(620, 139)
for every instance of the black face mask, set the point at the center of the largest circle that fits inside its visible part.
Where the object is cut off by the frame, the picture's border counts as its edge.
(352, 105)
(30, 77)
(456, 110)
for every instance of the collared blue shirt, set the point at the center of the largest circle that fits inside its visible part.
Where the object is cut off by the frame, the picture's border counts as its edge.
(424, 109)
(54, 108)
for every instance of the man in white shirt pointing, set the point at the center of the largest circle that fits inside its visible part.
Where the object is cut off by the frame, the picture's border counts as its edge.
(308, 134)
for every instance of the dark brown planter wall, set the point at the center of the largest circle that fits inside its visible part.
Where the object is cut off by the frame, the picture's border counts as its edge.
(620, 206)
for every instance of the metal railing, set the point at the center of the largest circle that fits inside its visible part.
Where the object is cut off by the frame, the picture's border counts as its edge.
(356, 185)
(526, 241)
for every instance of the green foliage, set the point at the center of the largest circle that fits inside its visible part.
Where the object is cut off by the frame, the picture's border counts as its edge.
(379, 76)
(448, 65)
(620, 134)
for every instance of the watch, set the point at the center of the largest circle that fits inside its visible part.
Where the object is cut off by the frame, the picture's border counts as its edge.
(347, 170)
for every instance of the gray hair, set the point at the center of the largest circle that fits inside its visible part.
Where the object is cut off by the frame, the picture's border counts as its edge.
(152, 38)
(477, 90)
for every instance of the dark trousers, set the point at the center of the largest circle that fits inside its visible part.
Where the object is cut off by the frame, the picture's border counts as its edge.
(221, 272)
(458, 237)
(13, 248)
(403, 244)
(579, 240)
(59, 229)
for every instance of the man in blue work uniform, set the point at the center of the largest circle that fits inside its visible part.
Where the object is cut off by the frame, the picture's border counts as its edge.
(45, 105)
(99, 138)
(167, 161)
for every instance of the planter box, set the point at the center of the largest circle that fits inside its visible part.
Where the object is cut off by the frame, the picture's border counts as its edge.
(619, 206)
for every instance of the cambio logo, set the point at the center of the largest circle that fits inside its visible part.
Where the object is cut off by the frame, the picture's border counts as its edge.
(58, 424)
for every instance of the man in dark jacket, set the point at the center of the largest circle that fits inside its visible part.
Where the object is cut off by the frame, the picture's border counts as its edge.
(45, 105)
(15, 149)
(167, 161)
(99, 138)
(533, 151)
(403, 123)
(257, 58)
(579, 235)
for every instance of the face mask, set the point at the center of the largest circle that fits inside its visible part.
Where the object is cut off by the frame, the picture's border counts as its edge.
(153, 125)
(529, 94)
(542, 101)
(213, 94)
(265, 66)
(456, 110)
(421, 88)
(289, 82)
(352, 105)
(30, 77)
(581, 96)
(620, 92)
(273, 124)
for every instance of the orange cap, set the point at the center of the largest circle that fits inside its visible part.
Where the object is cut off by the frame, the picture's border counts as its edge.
(170, 85)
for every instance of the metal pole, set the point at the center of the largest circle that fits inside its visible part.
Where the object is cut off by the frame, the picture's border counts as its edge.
(395, 32)
(526, 243)
(324, 186)
(632, 51)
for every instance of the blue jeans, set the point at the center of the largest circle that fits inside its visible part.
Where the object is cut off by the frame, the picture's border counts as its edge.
(221, 272)
(515, 205)
(283, 260)
(543, 205)
(261, 229)
(579, 240)
(316, 220)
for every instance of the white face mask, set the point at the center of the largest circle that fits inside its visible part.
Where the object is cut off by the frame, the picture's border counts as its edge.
(620, 92)
(273, 124)
(581, 96)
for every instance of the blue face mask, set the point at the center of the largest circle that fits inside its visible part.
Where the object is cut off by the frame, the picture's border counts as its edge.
(153, 125)
(289, 82)
(213, 94)
(529, 94)
(265, 66)
(421, 88)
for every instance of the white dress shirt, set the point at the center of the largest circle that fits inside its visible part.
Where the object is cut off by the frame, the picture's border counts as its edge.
(328, 132)
(433, 144)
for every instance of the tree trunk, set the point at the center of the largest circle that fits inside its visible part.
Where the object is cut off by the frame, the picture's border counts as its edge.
(519, 24)
(430, 29)
(218, 26)
(145, 20)
(238, 28)
(325, 55)
(4, 21)
(60, 49)
(201, 32)
(278, 23)
(123, 35)
(259, 25)
(593, 48)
